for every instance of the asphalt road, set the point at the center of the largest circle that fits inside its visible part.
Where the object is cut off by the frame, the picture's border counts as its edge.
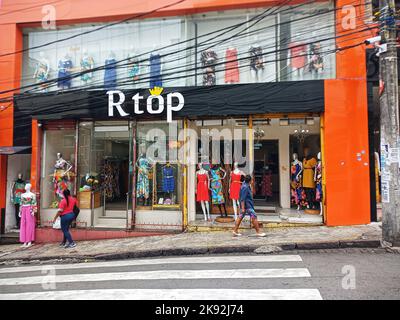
(323, 274)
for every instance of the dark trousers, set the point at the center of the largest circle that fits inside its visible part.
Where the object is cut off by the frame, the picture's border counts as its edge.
(66, 221)
(17, 218)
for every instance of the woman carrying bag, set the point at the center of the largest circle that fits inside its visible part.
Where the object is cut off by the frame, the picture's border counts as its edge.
(68, 211)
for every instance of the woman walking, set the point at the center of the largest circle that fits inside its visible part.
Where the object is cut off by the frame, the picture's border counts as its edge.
(67, 215)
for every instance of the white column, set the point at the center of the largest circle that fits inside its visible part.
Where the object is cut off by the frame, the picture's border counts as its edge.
(284, 170)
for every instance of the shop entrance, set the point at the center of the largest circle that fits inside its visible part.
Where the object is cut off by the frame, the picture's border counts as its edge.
(266, 173)
(112, 146)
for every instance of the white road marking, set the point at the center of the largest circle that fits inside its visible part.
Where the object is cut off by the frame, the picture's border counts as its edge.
(145, 262)
(170, 294)
(163, 275)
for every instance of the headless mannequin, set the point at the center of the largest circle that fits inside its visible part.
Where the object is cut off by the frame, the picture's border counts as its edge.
(220, 205)
(318, 177)
(235, 202)
(171, 192)
(42, 71)
(87, 63)
(28, 202)
(17, 189)
(205, 205)
(298, 176)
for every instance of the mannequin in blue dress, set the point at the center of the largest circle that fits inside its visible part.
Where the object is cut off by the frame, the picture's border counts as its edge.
(65, 67)
(168, 182)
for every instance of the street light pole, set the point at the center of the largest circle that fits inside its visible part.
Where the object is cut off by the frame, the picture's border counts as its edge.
(389, 108)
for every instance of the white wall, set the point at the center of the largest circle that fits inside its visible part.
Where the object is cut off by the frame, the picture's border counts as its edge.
(20, 163)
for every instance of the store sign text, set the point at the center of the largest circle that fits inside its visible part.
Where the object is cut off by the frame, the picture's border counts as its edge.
(155, 104)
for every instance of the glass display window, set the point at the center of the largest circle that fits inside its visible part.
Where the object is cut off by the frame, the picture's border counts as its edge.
(158, 169)
(58, 165)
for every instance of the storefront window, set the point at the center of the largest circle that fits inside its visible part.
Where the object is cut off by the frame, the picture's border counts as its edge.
(58, 166)
(214, 48)
(158, 169)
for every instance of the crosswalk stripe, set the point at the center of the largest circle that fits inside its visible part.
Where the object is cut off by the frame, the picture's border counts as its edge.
(179, 260)
(161, 275)
(170, 294)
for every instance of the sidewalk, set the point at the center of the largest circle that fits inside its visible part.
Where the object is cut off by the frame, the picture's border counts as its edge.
(277, 239)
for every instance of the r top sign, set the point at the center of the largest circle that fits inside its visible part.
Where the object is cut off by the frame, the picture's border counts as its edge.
(155, 103)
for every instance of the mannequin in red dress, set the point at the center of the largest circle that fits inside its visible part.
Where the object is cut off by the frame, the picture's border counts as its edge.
(234, 187)
(202, 191)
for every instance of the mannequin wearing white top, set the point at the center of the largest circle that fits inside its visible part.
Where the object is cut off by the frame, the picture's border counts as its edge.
(205, 205)
(235, 202)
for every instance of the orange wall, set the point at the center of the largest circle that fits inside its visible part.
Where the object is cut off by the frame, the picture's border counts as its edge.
(346, 134)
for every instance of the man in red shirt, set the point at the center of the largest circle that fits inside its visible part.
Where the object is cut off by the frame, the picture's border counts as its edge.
(67, 215)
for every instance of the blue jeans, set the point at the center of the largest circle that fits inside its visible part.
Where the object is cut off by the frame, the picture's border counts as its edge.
(66, 221)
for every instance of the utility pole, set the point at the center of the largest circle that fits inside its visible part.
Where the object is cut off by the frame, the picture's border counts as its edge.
(389, 108)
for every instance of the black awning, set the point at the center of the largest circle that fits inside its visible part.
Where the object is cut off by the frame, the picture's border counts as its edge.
(15, 150)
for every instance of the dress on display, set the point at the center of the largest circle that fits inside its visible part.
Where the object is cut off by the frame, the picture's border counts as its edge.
(202, 187)
(87, 64)
(133, 69)
(308, 173)
(111, 180)
(298, 52)
(61, 178)
(27, 228)
(110, 74)
(316, 61)
(297, 192)
(231, 66)
(143, 183)
(168, 184)
(217, 195)
(42, 72)
(64, 72)
(155, 71)
(235, 186)
(318, 189)
(208, 60)
(256, 58)
(266, 189)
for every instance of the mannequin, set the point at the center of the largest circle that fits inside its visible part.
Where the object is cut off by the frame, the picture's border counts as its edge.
(318, 182)
(309, 164)
(168, 182)
(42, 71)
(110, 72)
(295, 185)
(202, 191)
(133, 67)
(217, 194)
(235, 182)
(27, 215)
(17, 189)
(155, 68)
(316, 61)
(231, 65)
(298, 57)
(208, 60)
(61, 176)
(143, 184)
(87, 63)
(256, 61)
(65, 67)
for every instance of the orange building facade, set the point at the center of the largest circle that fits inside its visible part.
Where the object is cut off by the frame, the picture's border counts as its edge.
(343, 119)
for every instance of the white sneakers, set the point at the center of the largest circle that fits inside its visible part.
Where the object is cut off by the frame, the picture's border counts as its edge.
(236, 234)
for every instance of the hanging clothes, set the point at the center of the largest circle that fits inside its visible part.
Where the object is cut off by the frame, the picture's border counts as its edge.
(155, 70)
(208, 60)
(64, 72)
(256, 58)
(143, 183)
(202, 187)
(298, 55)
(87, 63)
(217, 194)
(111, 180)
(231, 66)
(266, 189)
(168, 181)
(110, 74)
(236, 183)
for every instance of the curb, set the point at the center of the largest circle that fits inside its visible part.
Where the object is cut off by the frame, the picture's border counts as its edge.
(202, 251)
